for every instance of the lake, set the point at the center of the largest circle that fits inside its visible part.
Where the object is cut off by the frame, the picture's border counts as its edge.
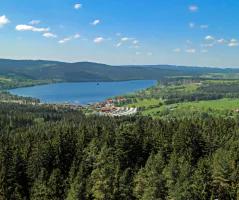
(84, 93)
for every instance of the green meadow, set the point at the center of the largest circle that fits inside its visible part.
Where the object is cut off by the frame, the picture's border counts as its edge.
(215, 104)
(145, 103)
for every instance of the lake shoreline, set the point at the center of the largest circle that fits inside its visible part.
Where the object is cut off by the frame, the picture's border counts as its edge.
(81, 92)
(90, 81)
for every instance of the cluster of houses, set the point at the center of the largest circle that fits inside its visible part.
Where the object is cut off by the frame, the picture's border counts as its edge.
(118, 111)
(102, 108)
(116, 100)
(111, 102)
(103, 104)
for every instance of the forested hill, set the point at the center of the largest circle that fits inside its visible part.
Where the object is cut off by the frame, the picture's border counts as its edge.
(189, 68)
(87, 71)
(24, 73)
(7, 65)
(83, 71)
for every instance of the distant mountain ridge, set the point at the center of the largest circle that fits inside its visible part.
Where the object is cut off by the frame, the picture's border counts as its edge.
(88, 71)
(187, 68)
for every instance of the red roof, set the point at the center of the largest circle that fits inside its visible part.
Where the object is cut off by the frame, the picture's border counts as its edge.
(105, 109)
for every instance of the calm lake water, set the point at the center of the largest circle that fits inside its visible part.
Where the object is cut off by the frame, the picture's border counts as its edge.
(82, 92)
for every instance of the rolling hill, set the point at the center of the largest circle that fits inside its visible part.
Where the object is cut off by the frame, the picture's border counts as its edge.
(88, 71)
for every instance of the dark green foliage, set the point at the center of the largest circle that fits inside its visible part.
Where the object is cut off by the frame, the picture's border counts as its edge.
(150, 181)
(67, 155)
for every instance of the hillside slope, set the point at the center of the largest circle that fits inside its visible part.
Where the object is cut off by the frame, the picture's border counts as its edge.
(83, 71)
(88, 71)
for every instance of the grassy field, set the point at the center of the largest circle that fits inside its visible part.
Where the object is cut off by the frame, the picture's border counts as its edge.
(216, 104)
(223, 81)
(206, 76)
(187, 88)
(145, 103)
(190, 88)
(5, 79)
(149, 112)
(221, 76)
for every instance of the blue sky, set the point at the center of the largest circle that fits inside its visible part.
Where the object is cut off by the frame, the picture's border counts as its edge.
(179, 32)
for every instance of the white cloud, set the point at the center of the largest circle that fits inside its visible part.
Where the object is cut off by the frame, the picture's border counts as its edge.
(191, 25)
(204, 26)
(221, 40)
(95, 22)
(135, 42)
(206, 45)
(190, 50)
(126, 39)
(77, 36)
(49, 35)
(233, 44)
(119, 44)
(64, 40)
(118, 34)
(193, 8)
(204, 51)
(176, 50)
(138, 53)
(23, 27)
(188, 41)
(41, 29)
(3, 20)
(149, 54)
(35, 22)
(209, 37)
(134, 47)
(98, 40)
(77, 6)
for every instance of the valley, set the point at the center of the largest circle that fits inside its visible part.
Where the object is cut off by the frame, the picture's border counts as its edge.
(27, 73)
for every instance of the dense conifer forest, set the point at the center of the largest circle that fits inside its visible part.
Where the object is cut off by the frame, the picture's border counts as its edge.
(49, 154)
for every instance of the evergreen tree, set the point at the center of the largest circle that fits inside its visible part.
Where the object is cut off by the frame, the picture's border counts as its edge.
(150, 181)
(104, 174)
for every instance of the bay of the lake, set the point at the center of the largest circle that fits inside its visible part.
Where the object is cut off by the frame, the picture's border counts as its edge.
(82, 93)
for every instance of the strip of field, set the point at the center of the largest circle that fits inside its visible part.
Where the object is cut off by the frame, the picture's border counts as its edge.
(145, 103)
(215, 104)
(218, 104)
(190, 88)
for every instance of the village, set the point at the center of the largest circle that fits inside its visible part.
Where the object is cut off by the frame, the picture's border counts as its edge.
(101, 108)
(107, 107)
